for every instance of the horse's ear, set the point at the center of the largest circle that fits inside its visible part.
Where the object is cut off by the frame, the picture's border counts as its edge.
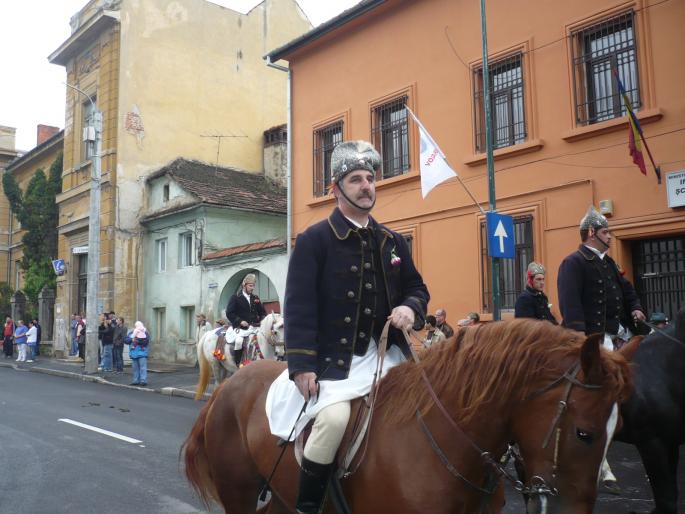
(628, 350)
(591, 360)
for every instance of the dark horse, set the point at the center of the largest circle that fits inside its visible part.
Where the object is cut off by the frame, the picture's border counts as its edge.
(522, 380)
(654, 416)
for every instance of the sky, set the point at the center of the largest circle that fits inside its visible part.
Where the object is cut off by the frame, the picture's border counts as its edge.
(32, 90)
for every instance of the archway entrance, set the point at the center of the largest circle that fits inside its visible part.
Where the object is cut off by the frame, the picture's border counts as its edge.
(265, 290)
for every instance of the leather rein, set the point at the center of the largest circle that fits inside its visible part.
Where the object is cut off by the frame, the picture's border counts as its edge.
(538, 486)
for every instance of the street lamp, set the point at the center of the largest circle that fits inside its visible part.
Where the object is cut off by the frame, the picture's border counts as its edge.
(93, 134)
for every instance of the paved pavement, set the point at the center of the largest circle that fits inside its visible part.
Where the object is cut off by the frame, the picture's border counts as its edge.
(170, 379)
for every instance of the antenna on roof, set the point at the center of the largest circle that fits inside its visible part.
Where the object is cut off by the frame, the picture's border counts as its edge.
(218, 138)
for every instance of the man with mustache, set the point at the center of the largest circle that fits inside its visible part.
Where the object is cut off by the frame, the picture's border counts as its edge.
(347, 276)
(595, 298)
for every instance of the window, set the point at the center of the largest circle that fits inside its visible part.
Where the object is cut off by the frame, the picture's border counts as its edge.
(390, 136)
(160, 254)
(160, 323)
(165, 193)
(87, 120)
(82, 293)
(17, 275)
(512, 272)
(185, 250)
(506, 104)
(187, 325)
(598, 51)
(325, 139)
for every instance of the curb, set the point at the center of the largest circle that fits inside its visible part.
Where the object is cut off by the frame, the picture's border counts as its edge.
(169, 391)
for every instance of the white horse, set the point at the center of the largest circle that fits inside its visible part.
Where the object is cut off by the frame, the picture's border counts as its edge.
(265, 342)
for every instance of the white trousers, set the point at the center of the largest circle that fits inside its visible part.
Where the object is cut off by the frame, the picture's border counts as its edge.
(327, 433)
(22, 352)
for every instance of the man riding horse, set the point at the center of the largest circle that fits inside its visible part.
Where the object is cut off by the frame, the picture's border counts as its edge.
(245, 310)
(347, 276)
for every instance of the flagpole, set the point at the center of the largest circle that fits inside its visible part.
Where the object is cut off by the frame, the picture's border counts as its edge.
(489, 155)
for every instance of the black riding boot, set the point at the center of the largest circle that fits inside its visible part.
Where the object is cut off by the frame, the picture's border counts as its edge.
(313, 484)
(237, 357)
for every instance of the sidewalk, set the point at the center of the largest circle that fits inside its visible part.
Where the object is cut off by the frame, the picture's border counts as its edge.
(163, 378)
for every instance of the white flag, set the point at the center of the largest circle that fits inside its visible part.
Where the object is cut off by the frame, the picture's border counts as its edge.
(434, 167)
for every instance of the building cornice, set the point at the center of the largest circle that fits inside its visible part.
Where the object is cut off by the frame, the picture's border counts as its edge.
(36, 152)
(84, 36)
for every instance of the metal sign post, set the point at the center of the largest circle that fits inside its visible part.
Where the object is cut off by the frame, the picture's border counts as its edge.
(492, 200)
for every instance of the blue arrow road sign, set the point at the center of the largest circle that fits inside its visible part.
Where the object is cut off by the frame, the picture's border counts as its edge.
(500, 235)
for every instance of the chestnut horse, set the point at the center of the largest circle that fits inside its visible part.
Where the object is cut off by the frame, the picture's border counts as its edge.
(549, 389)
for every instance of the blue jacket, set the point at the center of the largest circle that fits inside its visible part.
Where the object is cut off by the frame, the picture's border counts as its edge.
(330, 270)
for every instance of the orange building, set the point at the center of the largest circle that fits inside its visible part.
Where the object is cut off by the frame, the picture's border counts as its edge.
(560, 133)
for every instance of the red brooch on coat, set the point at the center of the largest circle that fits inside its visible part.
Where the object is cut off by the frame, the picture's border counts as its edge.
(394, 258)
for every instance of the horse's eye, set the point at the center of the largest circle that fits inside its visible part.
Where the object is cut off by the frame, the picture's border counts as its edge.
(586, 437)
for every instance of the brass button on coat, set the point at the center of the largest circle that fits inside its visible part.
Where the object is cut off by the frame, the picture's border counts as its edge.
(367, 311)
(354, 269)
(348, 319)
(350, 294)
(341, 362)
(368, 285)
(328, 359)
(362, 335)
(367, 265)
(343, 340)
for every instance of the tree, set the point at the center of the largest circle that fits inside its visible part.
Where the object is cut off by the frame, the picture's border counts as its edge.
(36, 209)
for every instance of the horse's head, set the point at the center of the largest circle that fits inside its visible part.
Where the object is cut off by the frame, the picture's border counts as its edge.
(564, 428)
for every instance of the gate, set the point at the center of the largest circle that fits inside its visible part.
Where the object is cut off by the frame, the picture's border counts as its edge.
(659, 266)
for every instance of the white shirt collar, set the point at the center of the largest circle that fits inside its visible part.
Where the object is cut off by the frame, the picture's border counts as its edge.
(356, 224)
(596, 252)
(246, 296)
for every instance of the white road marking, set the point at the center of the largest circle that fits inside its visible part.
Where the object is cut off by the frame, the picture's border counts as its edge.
(101, 431)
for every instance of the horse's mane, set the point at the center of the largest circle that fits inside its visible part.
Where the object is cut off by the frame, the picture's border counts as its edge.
(489, 366)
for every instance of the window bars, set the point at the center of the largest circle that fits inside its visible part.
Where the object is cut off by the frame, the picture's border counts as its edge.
(390, 136)
(512, 279)
(598, 51)
(325, 140)
(507, 105)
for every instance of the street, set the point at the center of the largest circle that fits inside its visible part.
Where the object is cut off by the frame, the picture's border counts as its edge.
(70, 446)
(52, 466)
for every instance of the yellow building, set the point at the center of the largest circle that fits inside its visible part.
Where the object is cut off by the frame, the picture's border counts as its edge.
(183, 78)
(46, 151)
(8, 153)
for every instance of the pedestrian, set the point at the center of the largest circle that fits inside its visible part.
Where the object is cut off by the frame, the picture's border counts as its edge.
(471, 319)
(594, 297)
(442, 325)
(39, 336)
(120, 332)
(20, 339)
(139, 341)
(107, 334)
(433, 334)
(533, 302)
(347, 275)
(8, 338)
(31, 340)
(81, 337)
(202, 327)
(73, 325)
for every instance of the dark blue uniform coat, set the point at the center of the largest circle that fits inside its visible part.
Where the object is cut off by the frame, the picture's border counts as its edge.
(330, 276)
(533, 304)
(593, 295)
(239, 309)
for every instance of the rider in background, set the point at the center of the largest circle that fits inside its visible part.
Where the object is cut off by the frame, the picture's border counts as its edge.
(533, 302)
(594, 297)
(245, 309)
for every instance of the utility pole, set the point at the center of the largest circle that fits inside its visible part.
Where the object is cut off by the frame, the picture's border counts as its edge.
(492, 198)
(93, 135)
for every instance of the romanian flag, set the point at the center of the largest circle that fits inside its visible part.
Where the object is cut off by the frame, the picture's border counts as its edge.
(634, 132)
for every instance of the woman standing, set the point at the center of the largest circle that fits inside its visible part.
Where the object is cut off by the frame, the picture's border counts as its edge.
(8, 338)
(533, 302)
(139, 341)
(20, 338)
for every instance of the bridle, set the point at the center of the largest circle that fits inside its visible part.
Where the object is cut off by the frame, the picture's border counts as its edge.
(537, 485)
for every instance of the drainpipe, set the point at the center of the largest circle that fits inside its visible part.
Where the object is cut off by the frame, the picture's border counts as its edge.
(289, 152)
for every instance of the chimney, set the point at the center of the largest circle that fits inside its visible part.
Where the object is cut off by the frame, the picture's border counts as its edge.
(7, 138)
(276, 154)
(45, 132)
